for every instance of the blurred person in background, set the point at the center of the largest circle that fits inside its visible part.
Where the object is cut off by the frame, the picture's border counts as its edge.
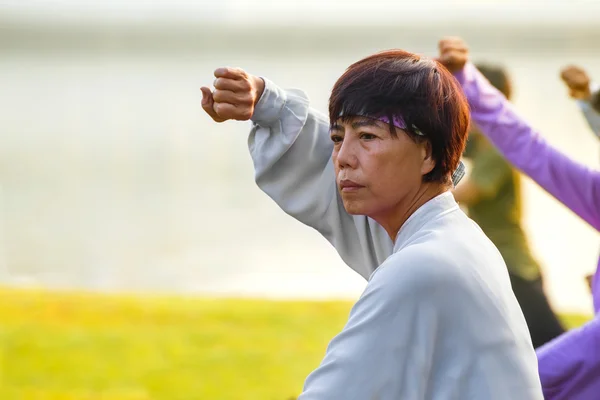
(438, 317)
(492, 195)
(569, 365)
(585, 92)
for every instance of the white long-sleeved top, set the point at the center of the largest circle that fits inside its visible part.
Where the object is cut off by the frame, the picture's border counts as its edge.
(437, 320)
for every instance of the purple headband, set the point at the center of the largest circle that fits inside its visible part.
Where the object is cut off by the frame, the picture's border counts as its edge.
(398, 122)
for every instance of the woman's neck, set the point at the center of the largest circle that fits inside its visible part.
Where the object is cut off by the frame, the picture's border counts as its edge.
(393, 219)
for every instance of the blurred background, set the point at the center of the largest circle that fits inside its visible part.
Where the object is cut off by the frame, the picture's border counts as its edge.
(112, 179)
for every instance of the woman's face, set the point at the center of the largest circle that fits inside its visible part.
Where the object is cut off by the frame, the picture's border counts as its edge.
(375, 171)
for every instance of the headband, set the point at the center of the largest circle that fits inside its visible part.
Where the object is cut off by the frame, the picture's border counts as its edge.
(398, 122)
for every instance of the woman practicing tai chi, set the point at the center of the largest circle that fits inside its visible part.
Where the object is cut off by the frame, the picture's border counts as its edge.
(438, 318)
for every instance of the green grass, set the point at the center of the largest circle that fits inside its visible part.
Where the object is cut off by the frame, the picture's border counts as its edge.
(78, 346)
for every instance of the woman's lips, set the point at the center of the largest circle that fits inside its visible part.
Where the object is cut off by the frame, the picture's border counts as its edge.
(347, 185)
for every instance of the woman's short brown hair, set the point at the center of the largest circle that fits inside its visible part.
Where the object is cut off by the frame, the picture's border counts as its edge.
(421, 91)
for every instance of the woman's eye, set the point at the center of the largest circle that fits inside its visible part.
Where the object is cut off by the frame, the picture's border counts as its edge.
(336, 138)
(367, 136)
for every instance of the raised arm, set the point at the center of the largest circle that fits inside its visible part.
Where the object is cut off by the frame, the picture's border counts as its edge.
(575, 185)
(585, 92)
(291, 150)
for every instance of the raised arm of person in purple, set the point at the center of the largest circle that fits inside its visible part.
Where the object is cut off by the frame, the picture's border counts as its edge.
(572, 183)
(585, 92)
(569, 366)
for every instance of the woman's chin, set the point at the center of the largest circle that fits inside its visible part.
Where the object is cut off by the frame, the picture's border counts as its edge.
(354, 207)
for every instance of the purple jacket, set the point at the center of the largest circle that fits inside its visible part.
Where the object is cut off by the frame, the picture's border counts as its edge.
(569, 365)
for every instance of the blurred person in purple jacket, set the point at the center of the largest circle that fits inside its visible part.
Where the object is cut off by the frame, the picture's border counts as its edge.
(569, 366)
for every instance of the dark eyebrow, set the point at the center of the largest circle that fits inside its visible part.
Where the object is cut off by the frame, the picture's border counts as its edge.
(363, 122)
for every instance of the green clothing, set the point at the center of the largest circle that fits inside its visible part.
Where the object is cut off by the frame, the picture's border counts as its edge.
(498, 210)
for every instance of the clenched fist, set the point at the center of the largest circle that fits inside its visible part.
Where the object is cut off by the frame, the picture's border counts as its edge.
(454, 53)
(235, 95)
(578, 82)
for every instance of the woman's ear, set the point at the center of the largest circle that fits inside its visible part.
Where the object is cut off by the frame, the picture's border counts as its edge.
(428, 162)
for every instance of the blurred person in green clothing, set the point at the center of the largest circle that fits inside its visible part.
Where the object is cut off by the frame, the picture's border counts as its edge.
(492, 196)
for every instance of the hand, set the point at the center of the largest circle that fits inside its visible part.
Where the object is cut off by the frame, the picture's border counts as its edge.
(578, 82)
(589, 279)
(235, 96)
(454, 53)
